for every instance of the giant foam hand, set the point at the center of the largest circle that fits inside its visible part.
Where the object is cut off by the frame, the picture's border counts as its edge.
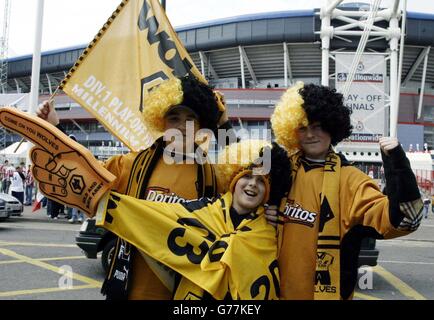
(66, 171)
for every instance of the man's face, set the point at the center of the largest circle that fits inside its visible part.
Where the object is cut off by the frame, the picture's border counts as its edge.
(249, 193)
(314, 141)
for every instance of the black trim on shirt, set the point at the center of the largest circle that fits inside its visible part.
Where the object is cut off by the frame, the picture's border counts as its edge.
(236, 217)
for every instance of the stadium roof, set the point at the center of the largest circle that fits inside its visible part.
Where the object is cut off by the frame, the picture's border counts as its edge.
(260, 38)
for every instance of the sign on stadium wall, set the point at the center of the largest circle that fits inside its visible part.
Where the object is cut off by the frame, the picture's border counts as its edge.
(365, 96)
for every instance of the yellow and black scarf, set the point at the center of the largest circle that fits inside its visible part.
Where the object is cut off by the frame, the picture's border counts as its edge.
(198, 241)
(328, 243)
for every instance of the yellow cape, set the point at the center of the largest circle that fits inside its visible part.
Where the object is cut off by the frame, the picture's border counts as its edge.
(199, 241)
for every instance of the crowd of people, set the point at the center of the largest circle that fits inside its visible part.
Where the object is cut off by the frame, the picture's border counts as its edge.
(18, 181)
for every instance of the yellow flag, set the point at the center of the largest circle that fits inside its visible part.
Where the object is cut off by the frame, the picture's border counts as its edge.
(135, 50)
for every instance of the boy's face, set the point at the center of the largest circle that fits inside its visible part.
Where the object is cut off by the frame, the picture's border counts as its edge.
(314, 141)
(249, 193)
(180, 119)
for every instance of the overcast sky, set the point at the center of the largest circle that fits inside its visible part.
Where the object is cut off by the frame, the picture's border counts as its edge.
(75, 22)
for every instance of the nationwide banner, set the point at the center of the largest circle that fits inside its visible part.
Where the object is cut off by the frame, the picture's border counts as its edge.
(366, 95)
(136, 49)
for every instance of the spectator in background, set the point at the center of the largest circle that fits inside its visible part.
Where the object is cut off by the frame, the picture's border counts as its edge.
(7, 173)
(2, 167)
(17, 184)
(426, 207)
(29, 184)
(76, 215)
(54, 208)
(432, 204)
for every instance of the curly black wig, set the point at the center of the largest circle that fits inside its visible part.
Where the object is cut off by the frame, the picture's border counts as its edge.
(201, 99)
(326, 106)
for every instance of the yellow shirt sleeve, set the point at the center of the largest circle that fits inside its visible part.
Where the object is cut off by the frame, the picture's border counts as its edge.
(363, 203)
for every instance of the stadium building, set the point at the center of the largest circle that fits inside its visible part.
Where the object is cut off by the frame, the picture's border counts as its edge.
(252, 59)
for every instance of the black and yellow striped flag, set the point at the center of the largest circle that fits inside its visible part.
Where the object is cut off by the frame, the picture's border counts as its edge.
(135, 50)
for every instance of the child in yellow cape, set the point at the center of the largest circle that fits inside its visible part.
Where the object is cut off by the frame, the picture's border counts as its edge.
(217, 248)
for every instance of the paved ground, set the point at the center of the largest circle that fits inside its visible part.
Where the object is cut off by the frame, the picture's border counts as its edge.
(39, 260)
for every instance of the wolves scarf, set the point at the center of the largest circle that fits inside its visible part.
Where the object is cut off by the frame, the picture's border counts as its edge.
(328, 247)
(198, 240)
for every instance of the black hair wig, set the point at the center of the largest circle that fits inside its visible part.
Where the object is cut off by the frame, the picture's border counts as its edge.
(200, 97)
(326, 106)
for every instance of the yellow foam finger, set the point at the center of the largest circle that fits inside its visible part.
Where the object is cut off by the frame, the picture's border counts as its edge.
(85, 180)
(53, 191)
(44, 176)
(39, 131)
(40, 157)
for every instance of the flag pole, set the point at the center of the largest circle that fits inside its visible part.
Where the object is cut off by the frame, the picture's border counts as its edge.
(36, 61)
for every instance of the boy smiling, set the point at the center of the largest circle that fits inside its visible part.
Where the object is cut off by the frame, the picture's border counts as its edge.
(318, 258)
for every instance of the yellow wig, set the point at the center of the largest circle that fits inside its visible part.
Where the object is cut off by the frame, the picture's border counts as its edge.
(236, 160)
(169, 93)
(288, 116)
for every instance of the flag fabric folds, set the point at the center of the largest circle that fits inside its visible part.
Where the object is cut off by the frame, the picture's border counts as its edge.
(199, 241)
(135, 50)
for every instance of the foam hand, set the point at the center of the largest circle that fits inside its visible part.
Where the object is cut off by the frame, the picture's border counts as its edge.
(66, 171)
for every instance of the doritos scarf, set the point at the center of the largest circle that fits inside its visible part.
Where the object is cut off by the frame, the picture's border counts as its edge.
(328, 244)
(199, 241)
